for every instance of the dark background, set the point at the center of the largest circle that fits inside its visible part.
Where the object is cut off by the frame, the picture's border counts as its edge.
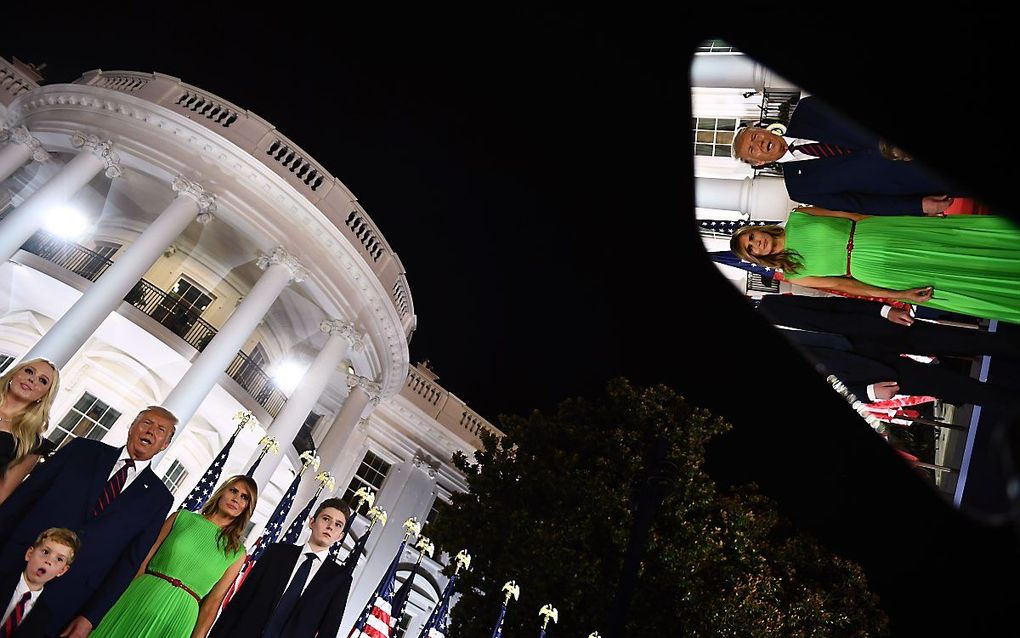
(534, 173)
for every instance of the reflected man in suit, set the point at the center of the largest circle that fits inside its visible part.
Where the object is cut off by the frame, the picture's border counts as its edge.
(861, 341)
(111, 499)
(831, 162)
(293, 591)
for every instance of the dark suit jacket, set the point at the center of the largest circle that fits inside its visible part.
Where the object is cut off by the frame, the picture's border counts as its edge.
(61, 493)
(320, 609)
(862, 182)
(861, 323)
(32, 625)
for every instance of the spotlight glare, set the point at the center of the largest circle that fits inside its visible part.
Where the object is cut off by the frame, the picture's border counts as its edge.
(66, 222)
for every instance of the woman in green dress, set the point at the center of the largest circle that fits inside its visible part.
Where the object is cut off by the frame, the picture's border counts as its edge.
(961, 263)
(181, 583)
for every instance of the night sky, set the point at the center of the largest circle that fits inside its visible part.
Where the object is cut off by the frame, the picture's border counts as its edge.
(534, 175)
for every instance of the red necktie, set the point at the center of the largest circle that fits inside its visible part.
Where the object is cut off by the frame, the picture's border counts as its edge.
(821, 150)
(113, 487)
(14, 619)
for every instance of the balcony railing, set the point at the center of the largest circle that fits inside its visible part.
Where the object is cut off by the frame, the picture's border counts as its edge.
(173, 313)
(165, 307)
(68, 255)
(252, 378)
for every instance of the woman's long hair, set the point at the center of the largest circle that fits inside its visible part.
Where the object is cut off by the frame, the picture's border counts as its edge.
(29, 425)
(789, 261)
(231, 537)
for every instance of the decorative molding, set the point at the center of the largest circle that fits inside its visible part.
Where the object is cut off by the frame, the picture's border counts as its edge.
(103, 149)
(362, 426)
(345, 329)
(279, 256)
(21, 135)
(423, 464)
(206, 201)
(372, 388)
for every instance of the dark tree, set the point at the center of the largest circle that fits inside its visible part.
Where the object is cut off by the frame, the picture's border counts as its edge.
(552, 504)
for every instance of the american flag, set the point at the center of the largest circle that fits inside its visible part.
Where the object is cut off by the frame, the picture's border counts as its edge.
(727, 258)
(207, 484)
(268, 537)
(400, 599)
(374, 621)
(726, 227)
(437, 624)
(294, 531)
(351, 562)
(497, 632)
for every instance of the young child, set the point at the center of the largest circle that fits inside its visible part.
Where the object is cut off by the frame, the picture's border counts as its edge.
(49, 557)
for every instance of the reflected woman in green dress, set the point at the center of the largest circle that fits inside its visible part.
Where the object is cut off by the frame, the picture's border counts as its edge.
(181, 583)
(961, 263)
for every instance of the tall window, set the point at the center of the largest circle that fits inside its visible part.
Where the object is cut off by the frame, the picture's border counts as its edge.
(182, 307)
(90, 418)
(5, 360)
(371, 474)
(713, 136)
(715, 46)
(175, 476)
(96, 262)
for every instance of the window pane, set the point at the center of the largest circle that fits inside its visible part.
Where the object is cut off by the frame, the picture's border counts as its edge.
(705, 136)
(727, 125)
(703, 149)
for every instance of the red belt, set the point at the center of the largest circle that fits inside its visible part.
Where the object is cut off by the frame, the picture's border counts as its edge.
(176, 583)
(850, 246)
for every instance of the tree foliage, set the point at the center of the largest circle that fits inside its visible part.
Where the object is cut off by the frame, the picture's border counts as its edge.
(551, 505)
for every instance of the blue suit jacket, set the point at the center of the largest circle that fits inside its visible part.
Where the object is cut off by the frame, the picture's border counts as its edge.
(862, 182)
(61, 493)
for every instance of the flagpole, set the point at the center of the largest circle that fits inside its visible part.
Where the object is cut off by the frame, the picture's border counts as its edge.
(326, 481)
(547, 612)
(424, 546)
(512, 590)
(207, 483)
(268, 444)
(435, 626)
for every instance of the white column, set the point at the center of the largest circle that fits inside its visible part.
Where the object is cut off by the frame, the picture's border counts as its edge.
(83, 318)
(29, 217)
(734, 71)
(763, 197)
(280, 269)
(409, 490)
(294, 412)
(21, 147)
(339, 437)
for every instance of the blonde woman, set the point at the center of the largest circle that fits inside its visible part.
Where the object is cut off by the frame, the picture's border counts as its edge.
(181, 583)
(26, 393)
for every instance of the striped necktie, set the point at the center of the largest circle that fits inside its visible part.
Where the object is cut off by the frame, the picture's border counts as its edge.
(820, 150)
(14, 619)
(113, 487)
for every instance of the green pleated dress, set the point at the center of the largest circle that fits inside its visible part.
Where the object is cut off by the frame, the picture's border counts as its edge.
(152, 607)
(972, 261)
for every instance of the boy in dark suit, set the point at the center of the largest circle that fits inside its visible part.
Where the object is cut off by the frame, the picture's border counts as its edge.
(100, 492)
(293, 592)
(49, 557)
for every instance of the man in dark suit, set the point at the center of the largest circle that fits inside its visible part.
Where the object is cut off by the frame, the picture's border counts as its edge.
(861, 341)
(293, 592)
(831, 162)
(111, 499)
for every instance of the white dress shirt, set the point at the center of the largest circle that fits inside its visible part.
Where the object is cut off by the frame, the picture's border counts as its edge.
(316, 565)
(132, 473)
(796, 156)
(19, 591)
